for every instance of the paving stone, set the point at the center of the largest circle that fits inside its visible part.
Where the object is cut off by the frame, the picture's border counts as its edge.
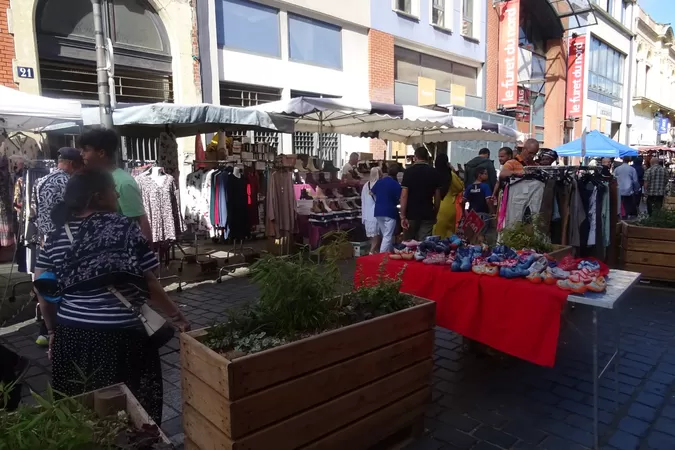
(448, 354)
(168, 413)
(669, 412)
(642, 412)
(458, 421)
(655, 388)
(454, 437)
(667, 368)
(566, 392)
(173, 426)
(640, 358)
(484, 446)
(624, 441)
(557, 443)
(488, 418)
(642, 366)
(453, 366)
(660, 441)
(634, 426)
(494, 436)
(662, 377)
(524, 431)
(426, 443)
(666, 426)
(652, 400)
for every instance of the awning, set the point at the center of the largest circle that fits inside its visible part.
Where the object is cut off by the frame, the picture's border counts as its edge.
(574, 13)
(597, 146)
(184, 120)
(400, 123)
(20, 111)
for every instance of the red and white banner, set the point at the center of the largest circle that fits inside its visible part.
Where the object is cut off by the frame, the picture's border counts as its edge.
(509, 31)
(575, 77)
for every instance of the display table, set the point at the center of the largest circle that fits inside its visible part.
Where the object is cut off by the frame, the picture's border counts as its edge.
(512, 316)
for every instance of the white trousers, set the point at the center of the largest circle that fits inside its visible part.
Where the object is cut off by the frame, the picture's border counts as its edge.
(387, 226)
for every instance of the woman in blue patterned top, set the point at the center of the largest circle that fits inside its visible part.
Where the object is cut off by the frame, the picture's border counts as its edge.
(91, 332)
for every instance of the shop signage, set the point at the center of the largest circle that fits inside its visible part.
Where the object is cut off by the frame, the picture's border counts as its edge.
(472, 225)
(575, 77)
(25, 72)
(509, 29)
(664, 125)
(523, 109)
(457, 95)
(426, 91)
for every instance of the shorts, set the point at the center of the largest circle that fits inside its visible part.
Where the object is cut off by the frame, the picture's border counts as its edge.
(372, 229)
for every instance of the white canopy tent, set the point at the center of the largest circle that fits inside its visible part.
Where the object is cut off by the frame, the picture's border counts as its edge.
(400, 123)
(184, 120)
(20, 111)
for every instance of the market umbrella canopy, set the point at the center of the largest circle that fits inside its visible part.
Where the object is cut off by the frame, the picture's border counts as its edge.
(597, 146)
(401, 123)
(20, 111)
(184, 120)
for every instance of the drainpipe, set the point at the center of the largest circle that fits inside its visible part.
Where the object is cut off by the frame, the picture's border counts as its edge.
(631, 56)
(101, 67)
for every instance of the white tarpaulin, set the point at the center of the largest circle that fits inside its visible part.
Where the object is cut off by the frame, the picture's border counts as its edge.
(20, 111)
(184, 120)
(400, 123)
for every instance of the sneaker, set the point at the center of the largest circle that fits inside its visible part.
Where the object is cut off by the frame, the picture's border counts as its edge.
(597, 285)
(548, 278)
(435, 258)
(534, 277)
(491, 271)
(420, 255)
(570, 285)
(411, 244)
(42, 341)
(478, 269)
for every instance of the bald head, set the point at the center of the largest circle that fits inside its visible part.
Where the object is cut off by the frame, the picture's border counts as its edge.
(655, 162)
(530, 148)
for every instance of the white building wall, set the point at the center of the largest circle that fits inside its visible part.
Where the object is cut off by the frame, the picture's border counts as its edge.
(282, 73)
(618, 36)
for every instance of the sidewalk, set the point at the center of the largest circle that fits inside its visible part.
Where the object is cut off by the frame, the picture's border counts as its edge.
(490, 403)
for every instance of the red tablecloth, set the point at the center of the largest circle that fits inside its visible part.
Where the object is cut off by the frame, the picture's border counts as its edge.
(513, 316)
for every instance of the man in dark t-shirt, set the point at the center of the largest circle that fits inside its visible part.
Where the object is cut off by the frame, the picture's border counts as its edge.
(420, 198)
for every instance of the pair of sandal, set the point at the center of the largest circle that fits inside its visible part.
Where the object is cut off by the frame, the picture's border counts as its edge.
(485, 269)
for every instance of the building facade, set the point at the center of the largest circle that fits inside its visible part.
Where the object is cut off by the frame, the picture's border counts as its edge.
(48, 49)
(610, 47)
(653, 90)
(259, 51)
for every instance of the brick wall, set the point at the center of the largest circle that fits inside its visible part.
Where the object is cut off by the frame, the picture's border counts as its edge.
(491, 66)
(6, 48)
(380, 77)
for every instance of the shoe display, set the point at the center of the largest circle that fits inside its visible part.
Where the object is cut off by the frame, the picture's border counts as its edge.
(534, 277)
(311, 166)
(299, 165)
(435, 258)
(329, 167)
(304, 195)
(297, 179)
(322, 178)
(597, 285)
(548, 278)
(569, 285)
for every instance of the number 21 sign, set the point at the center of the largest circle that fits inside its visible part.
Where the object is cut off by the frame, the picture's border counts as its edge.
(25, 72)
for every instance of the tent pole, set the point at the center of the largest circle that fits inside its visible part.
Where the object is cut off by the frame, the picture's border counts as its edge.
(101, 70)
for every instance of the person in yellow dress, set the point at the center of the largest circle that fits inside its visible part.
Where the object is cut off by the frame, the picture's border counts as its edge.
(452, 189)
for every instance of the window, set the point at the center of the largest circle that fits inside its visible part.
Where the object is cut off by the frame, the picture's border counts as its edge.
(244, 95)
(325, 146)
(314, 42)
(409, 65)
(403, 6)
(605, 83)
(438, 13)
(610, 7)
(467, 18)
(248, 26)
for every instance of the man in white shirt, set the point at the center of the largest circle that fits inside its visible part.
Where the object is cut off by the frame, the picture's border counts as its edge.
(349, 172)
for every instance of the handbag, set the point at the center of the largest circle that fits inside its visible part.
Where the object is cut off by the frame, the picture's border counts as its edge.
(157, 328)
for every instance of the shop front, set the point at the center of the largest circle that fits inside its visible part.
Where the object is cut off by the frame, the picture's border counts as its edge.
(530, 82)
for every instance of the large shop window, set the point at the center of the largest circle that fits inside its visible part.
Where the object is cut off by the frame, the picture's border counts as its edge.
(248, 26)
(314, 42)
(410, 65)
(244, 95)
(467, 18)
(605, 74)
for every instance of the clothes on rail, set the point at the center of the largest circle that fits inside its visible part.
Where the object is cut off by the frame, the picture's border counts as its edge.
(159, 192)
(22, 146)
(281, 205)
(28, 235)
(167, 156)
(6, 211)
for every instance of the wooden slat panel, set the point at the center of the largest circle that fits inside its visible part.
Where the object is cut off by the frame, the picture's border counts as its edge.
(257, 371)
(204, 363)
(189, 445)
(316, 422)
(203, 434)
(374, 428)
(650, 259)
(281, 401)
(656, 234)
(210, 403)
(646, 245)
(652, 272)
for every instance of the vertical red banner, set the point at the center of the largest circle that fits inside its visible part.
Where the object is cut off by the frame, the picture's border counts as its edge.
(575, 77)
(509, 32)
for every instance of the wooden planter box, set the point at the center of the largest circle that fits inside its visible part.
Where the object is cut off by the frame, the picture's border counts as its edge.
(348, 388)
(115, 398)
(649, 251)
(560, 251)
(669, 202)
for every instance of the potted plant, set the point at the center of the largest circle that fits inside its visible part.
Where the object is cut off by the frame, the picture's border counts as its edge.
(106, 419)
(648, 246)
(527, 235)
(308, 366)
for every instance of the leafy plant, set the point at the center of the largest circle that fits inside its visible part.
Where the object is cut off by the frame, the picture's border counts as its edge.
(660, 218)
(523, 235)
(299, 297)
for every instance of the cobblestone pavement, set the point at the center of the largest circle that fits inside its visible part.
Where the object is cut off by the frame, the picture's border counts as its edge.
(484, 403)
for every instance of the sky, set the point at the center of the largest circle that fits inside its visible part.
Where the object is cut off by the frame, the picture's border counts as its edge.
(661, 11)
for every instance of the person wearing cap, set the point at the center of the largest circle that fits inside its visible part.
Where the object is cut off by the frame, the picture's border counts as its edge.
(48, 192)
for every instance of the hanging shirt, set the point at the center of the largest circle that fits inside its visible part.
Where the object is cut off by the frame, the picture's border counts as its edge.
(167, 156)
(20, 145)
(160, 202)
